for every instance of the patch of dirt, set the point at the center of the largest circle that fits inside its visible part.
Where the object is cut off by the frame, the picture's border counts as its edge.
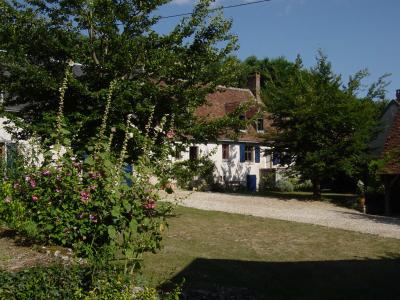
(17, 253)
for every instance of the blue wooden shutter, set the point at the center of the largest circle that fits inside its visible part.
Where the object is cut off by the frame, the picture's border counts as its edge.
(11, 149)
(276, 159)
(242, 156)
(257, 154)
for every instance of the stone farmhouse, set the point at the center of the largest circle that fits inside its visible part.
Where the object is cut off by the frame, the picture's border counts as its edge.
(242, 161)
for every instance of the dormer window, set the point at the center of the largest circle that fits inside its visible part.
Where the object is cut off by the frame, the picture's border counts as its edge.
(260, 125)
(242, 118)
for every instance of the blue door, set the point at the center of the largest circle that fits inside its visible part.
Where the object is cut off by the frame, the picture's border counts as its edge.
(252, 183)
(128, 171)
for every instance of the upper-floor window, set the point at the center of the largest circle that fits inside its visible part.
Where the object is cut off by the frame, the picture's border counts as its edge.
(242, 119)
(249, 153)
(260, 125)
(225, 151)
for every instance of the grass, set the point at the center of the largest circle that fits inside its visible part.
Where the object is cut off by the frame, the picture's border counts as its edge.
(242, 257)
(230, 256)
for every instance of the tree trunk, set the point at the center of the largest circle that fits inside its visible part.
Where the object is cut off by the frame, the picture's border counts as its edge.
(316, 188)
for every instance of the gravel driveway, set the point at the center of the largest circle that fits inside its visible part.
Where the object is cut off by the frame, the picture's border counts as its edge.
(313, 212)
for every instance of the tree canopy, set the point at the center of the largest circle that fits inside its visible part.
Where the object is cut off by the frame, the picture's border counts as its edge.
(169, 74)
(323, 126)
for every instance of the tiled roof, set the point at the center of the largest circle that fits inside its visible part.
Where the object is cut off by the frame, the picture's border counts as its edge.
(224, 101)
(391, 149)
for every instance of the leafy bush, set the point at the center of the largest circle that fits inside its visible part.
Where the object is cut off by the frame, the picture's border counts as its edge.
(90, 204)
(304, 186)
(267, 182)
(284, 185)
(196, 173)
(74, 282)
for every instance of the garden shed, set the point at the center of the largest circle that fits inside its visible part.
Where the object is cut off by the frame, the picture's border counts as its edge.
(387, 146)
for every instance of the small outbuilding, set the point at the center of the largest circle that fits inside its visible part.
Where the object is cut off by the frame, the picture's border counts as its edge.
(387, 146)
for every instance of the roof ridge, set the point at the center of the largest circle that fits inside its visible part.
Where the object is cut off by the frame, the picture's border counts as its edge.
(235, 88)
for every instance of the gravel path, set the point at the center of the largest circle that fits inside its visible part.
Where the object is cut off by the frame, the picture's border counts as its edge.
(313, 212)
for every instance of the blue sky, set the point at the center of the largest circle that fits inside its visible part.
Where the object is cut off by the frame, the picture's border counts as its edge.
(354, 34)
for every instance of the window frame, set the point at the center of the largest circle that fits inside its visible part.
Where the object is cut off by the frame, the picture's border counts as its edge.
(260, 121)
(243, 118)
(249, 151)
(225, 152)
(190, 152)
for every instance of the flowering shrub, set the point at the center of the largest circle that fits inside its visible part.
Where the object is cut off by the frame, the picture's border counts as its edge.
(91, 204)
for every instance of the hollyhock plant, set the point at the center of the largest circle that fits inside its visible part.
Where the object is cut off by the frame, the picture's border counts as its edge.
(89, 205)
(93, 218)
(32, 182)
(84, 196)
(46, 173)
(170, 134)
(150, 204)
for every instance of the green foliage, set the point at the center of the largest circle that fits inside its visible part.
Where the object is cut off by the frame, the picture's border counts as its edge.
(110, 39)
(284, 185)
(91, 205)
(197, 173)
(56, 282)
(323, 128)
(74, 283)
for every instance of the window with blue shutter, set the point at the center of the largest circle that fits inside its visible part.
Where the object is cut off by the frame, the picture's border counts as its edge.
(242, 152)
(11, 150)
(257, 154)
(276, 159)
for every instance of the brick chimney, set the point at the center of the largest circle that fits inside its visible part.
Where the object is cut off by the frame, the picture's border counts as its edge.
(254, 84)
(398, 95)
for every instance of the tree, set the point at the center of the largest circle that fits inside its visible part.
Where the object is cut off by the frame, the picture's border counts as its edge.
(323, 128)
(111, 41)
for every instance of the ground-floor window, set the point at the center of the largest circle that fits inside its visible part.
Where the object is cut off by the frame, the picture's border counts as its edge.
(193, 152)
(225, 151)
(249, 153)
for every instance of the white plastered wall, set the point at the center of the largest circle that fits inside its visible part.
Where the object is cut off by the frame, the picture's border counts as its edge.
(228, 170)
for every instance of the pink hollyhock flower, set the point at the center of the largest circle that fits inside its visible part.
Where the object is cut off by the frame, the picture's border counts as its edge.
(32, 182)
(16, 185)
(170, 134)
(84, 196)
(94, 175)
(93, 218)
(46, 173)
(150, 205)
(35, 198)
(27, 178)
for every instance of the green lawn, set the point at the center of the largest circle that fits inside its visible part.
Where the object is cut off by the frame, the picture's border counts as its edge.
(228, 256)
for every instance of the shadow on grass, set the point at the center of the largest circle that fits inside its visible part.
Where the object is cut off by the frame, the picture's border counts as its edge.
(18, 239)
(346, 279)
